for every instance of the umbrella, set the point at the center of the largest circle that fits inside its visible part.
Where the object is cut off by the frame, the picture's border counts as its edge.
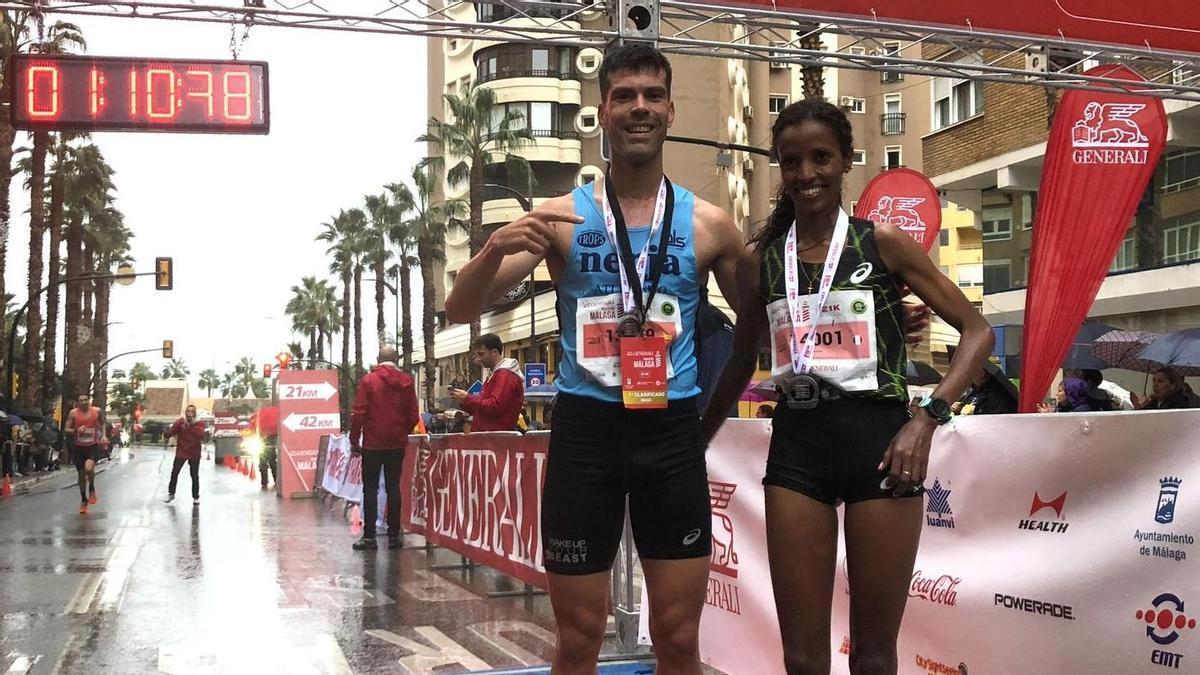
(921, 374)
(1120, 349)
(1179, 350)
(1080, 355)
(999, 376)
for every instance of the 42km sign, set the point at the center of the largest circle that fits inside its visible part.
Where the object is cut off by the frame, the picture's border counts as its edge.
(308, 410)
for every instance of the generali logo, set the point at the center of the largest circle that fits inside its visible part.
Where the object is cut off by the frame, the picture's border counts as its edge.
(941, 590)
(900, 212)
(1040, 507)
(1108, 134)
(723, 558)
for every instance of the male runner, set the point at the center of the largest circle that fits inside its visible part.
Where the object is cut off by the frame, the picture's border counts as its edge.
(83, 428)
(628, 255)
(190, 434)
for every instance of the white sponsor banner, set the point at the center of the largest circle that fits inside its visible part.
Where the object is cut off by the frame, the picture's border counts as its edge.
(1058, 543)
(343, 477)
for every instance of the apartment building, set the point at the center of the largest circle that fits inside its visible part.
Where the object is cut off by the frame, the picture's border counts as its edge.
(985, 152)
(556, 88)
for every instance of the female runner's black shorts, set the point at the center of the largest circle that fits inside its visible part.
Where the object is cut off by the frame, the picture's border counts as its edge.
(831, 453)
(599, 453)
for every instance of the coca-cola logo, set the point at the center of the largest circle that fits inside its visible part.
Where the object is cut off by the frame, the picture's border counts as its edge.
(938, 590)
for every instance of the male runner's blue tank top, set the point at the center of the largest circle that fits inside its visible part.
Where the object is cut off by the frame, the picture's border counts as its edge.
(592, 270)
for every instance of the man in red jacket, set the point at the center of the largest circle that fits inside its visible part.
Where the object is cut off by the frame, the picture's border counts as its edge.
(385, 411)
(190, 434)
(499, 405)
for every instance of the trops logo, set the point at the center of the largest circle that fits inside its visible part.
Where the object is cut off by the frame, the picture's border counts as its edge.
(1158, 543)
(722, 593)
(1040, 507)
(934, 667)
(937, 506)
(902, 213)
(1165, 624)
(941, 590)
(1108, 134)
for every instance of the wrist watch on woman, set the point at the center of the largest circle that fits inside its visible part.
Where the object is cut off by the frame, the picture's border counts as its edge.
(938, 409)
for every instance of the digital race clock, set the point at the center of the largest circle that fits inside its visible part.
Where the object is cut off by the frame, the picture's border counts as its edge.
(87, 93)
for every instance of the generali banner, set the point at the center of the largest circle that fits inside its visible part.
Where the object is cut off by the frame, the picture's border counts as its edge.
(906, 199)
(1061, 543)
(1154, 24)
(1103, 150)
(479, 495)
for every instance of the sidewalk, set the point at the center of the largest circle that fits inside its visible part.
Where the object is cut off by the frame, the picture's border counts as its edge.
(22, 484)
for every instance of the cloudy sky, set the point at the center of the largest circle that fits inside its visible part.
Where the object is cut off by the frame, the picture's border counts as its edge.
(239, 213)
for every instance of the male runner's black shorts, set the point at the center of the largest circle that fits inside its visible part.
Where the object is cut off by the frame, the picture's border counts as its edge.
(831, 453)
(599, 452)
(85, 452)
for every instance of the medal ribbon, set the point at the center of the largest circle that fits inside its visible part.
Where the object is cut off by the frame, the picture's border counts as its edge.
(618, 234)
(802, 355)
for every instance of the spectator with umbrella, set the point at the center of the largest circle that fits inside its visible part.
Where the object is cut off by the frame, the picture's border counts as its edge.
(1169, 392)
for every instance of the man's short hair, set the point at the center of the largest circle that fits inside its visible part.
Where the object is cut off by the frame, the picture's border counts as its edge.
(489, 341)
(633, 58)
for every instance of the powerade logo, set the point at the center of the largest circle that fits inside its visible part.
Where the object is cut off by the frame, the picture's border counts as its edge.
(1165, 623)
(937, 506)
(591, 239)
(1040, 607)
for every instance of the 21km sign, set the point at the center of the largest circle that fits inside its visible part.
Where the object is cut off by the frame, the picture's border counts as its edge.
(308, 409)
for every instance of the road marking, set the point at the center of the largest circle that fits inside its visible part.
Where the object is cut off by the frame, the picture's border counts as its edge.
(424, 659)
(22, 664)
(495, 633)
(429, 587)
(321, 654)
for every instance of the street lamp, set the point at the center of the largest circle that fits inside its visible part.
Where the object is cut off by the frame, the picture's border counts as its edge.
(395, 294)
(527, 204)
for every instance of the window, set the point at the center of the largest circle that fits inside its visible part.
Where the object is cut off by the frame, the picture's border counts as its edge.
(1182, 170)
(892, 104)
(858, 51)
(1126, 255)
(777, 102)
(860, 157)
(778, 55)
(970, 275)
(891, 49)
(566, 61)
(854, 105)
(997, 223)
(853, 206)
(944, 238)
(1182, 242)
(955, 100)
(997, 275)
(589, 61)
(541, 116)
(894, 155)
(587, 121)
(1027, 211)
(540, 60)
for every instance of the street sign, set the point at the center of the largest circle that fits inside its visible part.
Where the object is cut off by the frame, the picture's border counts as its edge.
(535, 374)
(308, 410)
(476, 388)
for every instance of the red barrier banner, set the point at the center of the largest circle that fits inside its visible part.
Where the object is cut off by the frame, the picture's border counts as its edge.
(308, 409)
(1103, 150)
(906, 199)
(479, 495)
(1157, 24)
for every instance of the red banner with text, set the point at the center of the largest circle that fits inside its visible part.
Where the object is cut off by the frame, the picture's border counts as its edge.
(1102, 152)
(479, 495)
(906, 199)
(308, 409)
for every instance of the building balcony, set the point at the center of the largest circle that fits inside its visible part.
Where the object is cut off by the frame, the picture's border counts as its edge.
(889, 167)
(493, 12)
(510, 73)
(891, 78)
(892, 124)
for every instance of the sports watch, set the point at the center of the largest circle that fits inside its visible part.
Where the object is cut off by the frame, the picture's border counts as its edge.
(938, 409)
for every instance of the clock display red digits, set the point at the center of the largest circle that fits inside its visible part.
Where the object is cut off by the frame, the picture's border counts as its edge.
(64, 92)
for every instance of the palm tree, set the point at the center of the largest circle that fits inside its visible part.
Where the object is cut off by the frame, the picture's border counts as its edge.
(429, 223)
(140, 374)
(357, 224)
(307, 312)
(88, 198)
(176, 370)
(477, 136)
(812, 77)
(111, 249)
(340, 240)
(59, 37)
(375, 249)
(230, 382)
(245, 371)
(209, 380)
(14, 29)
(401, 235)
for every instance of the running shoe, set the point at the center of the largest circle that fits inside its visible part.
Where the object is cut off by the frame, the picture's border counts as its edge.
(92, 497)
(83, 508)
(196, 501)
(169, 499)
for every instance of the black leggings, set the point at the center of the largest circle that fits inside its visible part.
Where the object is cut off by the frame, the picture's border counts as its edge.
(193, 468)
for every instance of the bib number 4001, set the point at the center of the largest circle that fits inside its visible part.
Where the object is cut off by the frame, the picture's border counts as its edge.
(825, 338)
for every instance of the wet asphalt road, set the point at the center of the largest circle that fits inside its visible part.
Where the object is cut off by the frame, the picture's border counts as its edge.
(243, 583)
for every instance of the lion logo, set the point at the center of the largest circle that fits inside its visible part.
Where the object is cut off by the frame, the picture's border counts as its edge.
(899, 211)
(1109, 125)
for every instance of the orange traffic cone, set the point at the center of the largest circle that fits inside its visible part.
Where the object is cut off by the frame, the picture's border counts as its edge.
(253, 473)
(245, 467)
(6, 490)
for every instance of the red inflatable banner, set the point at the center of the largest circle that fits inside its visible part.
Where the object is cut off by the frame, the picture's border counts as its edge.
(308, 410)
(479, 495)
(906, 199)
(1103, 150)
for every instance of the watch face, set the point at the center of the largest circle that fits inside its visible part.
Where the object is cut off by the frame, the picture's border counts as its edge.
(939, 407)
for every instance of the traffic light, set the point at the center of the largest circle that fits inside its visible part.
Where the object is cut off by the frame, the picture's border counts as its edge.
(168, 349)
(266, 371)
(164, 274)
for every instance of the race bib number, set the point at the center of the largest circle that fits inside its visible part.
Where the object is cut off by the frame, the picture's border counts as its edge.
(598, 346)
(845, 339)
(644, 372)
(85, 435)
